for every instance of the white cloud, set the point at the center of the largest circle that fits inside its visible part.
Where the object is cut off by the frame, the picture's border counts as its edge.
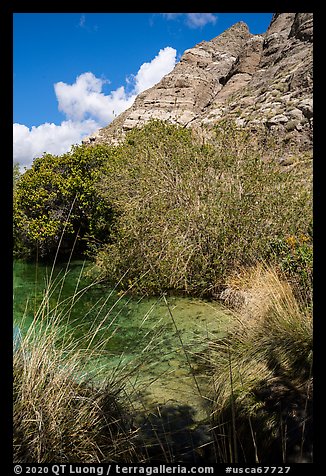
(87, 27)
(193, 20)
(86, 109)
(198, 20)
(84, 99)
(171, 16)
(151, 73)
(51, 138)
(82, 21)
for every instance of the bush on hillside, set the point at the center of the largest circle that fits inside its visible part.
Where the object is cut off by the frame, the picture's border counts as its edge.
(189, 213)
(57, 197)
(294, 255)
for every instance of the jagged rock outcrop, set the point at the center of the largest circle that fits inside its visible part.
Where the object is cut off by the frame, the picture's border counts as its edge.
(264, 81)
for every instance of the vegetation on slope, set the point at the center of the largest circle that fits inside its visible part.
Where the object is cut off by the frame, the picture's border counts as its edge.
(164, 205)
(187, 213)
(57, 198)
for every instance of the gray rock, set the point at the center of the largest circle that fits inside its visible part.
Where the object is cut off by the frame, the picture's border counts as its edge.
(306, 107)
(295, 114)
(302, 27)
(276, 120)
(262, 80)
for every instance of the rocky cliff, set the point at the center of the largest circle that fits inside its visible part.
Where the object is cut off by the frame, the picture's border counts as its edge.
(264, 81)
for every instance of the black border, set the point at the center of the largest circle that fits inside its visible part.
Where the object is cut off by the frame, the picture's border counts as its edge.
(6, 32)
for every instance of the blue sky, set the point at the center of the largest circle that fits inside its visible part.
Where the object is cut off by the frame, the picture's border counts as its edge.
(74, 72)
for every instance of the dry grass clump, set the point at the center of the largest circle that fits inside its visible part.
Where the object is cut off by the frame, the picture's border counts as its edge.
(63, 410)
(252, 290)
(262, 381)
(60, 415)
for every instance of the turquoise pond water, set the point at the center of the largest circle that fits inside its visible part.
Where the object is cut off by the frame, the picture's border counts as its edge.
(157, 341)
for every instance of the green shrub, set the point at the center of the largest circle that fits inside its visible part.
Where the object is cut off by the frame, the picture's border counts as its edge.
(188, 213)
(58, 194)
(16, 174)
(294, 255)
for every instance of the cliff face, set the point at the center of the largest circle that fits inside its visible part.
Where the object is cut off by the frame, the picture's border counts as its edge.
(259, 80)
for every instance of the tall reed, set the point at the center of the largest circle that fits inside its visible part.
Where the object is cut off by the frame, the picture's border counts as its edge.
(62, 411)
(262, 378)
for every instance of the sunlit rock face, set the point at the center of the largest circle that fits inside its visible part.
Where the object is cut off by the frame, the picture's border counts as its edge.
(264, 81)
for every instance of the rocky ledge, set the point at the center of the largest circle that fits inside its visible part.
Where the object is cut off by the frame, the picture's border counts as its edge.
(261, 81)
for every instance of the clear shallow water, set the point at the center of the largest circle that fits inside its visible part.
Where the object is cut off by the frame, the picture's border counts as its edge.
(162, 338)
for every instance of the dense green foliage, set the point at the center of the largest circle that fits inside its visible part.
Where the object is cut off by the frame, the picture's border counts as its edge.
(188, 213)
(16, 174)
(294, 255)
(168, 211)
(58, 197)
